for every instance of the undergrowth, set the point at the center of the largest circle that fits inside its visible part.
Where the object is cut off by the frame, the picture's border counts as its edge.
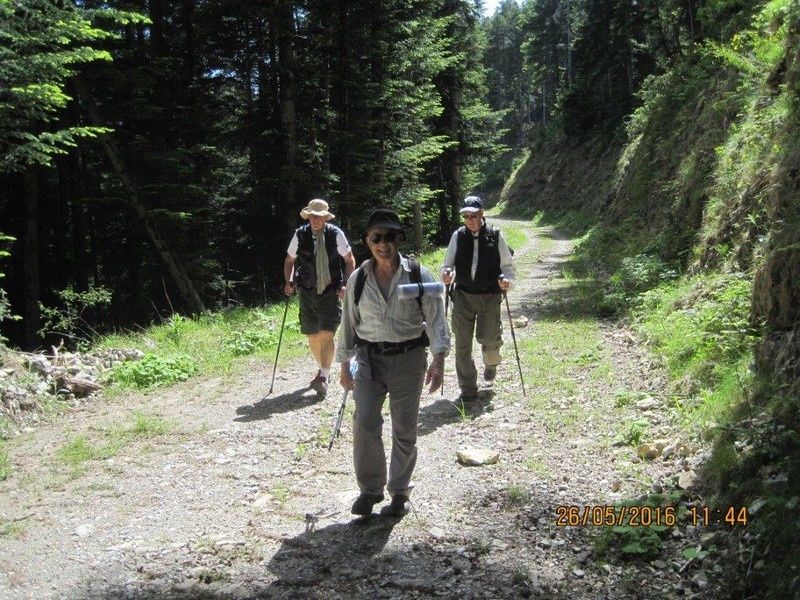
(209, 344)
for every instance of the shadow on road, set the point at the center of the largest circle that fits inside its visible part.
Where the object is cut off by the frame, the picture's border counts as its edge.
(445, 410)
(266, 406)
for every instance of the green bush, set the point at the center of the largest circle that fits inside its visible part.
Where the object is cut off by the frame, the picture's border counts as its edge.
(154, 369)
(633, 433)
(242, 343)
(638, 541)
(67, 319)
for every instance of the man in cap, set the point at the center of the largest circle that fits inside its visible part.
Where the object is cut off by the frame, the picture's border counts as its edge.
(388, 335)
(322, 260)
(480, 262)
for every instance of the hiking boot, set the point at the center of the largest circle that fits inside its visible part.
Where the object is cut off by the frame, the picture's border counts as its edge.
(489, 372)
(398, 507)
(320, 385)
(364, 503)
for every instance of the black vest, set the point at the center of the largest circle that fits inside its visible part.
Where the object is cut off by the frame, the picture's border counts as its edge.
(305, 264)
(488, 269)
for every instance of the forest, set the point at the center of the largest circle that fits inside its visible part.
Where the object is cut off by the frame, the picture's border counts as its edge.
(154, 157)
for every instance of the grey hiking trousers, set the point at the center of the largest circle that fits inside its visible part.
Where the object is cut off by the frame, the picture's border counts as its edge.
(476, 315)
(401, 376)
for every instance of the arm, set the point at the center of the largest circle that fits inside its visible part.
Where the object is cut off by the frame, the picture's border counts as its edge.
(288, 275)
(448, 267)
(507, 269)
(346, 347)
(349, 267)
(435, 323)
(435, 373)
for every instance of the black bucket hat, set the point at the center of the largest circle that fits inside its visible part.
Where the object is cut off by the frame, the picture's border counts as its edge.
(383, 218)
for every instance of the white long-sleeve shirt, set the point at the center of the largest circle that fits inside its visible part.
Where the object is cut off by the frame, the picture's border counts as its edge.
(390, 319)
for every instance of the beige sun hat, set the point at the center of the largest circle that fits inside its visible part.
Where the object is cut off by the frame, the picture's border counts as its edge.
(318, 208)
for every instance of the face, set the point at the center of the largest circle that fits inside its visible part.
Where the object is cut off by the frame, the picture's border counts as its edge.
(473, 220)
(383, 242)
(316, 222)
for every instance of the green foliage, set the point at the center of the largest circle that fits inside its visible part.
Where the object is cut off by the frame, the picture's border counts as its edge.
(212, 340)
(41, 44)
(633, 433)
(702, 328)
(5, 464)
(154, 370)
(68, 319)
(78, 450)
(700, 323)
(634, 542)
(626, 398)
(5, 305)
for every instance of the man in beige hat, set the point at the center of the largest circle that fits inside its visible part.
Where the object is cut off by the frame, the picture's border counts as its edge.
(322, 260)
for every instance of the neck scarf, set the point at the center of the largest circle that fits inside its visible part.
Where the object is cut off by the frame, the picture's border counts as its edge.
(321, 256)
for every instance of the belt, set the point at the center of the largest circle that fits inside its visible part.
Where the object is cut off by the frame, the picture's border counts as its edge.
(390, 348)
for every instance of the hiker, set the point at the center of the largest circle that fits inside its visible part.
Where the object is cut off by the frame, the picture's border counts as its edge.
(388, 336)
(481, 263)
(322, 261)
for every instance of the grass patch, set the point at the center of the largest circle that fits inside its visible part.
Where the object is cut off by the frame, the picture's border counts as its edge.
(5, 463)
(554, 354)
(516, 495)
(209, 344)
(515, 236)
(701, 326)
(11, 529)
(281, 493)
(78, 451)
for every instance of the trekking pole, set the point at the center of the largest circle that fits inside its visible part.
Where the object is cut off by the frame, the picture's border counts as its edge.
(340, 415)
(280, 339)
(514, 339)
(338, 426)
(446, 303)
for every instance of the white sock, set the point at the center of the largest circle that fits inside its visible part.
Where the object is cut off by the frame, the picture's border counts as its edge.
(325, 372)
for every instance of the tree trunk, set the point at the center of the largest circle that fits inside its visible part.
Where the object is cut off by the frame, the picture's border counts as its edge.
(30, 259)
(417, 226)
(176, 270)
(286, 73)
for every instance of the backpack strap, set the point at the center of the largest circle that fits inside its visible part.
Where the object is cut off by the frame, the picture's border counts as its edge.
(416, 276)
(361, 279)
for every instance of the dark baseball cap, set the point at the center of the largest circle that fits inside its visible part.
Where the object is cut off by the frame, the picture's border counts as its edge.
(472, 204)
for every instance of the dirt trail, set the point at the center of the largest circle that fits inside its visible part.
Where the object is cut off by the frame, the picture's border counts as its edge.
(242, 500)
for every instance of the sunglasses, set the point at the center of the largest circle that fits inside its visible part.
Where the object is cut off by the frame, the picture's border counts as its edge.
(389, 237)
(471, 216)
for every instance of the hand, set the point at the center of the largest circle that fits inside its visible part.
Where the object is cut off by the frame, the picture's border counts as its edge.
(504, 283)
(346, 378)
(447, 276)
(288, 288)
(342, 291)
(435, 373)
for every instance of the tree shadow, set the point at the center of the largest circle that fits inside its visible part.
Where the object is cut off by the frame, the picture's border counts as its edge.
(265, 407)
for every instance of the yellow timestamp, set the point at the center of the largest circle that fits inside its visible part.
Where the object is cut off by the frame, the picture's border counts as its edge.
(606, 515)
(724, 515)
